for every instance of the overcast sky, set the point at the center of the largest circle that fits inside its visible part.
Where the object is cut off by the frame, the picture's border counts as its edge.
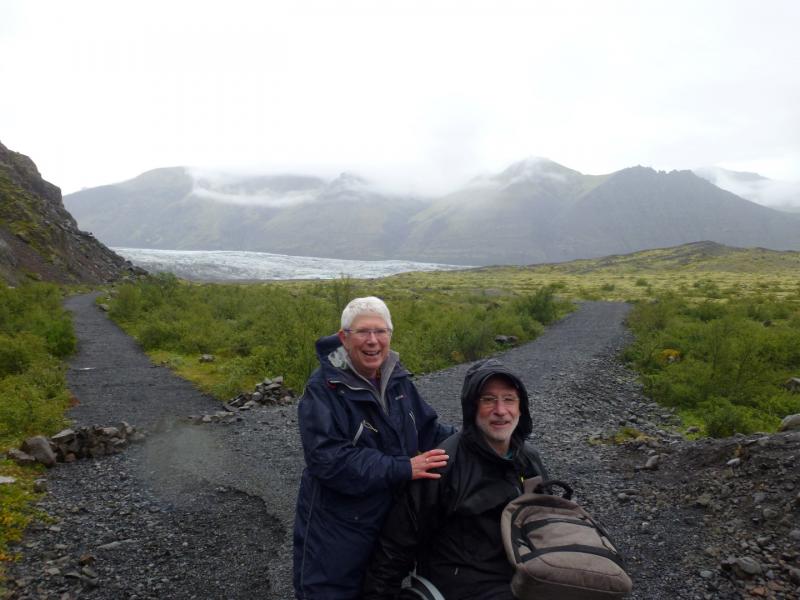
(422, 94)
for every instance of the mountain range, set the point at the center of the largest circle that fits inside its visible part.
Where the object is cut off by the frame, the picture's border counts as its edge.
(532, 212)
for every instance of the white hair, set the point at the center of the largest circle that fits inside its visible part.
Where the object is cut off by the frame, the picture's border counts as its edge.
(365, 306)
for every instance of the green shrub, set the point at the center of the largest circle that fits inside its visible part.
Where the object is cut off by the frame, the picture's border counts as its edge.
(127, 303)
(731, 365)
(60, 337)
(34, 403)
(707, 311)
(18, 352)
(258, 331)
(159, 335)
(541, 305)
(35, 332)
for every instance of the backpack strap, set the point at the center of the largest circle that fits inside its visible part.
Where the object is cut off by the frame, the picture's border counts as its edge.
(605, 553)
(539, 485)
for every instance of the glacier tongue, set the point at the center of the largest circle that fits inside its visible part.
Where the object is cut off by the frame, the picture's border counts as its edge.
(234, 265)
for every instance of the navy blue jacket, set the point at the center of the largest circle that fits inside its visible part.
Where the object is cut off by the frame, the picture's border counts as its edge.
(357, 460)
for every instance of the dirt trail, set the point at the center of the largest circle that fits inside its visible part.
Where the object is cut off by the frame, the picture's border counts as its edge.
(205, 511)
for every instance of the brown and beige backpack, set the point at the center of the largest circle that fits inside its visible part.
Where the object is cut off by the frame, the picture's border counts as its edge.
(558, 550)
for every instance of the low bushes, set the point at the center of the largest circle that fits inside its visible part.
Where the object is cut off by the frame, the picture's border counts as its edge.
(35, 334)
(729, 359)
(270, 329)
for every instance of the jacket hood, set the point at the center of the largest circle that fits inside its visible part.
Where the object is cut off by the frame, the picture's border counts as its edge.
(476, 376)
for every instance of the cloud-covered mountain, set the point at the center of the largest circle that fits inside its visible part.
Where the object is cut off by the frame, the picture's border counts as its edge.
(534, 211)
(782, 195)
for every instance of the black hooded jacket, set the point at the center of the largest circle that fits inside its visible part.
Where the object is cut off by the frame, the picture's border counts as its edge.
(451, 526)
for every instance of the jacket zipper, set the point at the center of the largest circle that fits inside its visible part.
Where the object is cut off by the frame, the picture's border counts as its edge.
(363, 423)
(358, 433)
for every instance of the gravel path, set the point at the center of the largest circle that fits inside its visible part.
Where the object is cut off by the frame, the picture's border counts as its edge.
(205, 511)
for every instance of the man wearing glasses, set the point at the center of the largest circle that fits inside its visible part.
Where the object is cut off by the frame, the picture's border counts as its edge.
(366, 432)
(450, 527)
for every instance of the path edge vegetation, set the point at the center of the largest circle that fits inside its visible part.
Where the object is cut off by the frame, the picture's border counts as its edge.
(36, 336)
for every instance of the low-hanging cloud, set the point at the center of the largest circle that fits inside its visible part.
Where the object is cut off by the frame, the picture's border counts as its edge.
(231, 189)
(753, 187)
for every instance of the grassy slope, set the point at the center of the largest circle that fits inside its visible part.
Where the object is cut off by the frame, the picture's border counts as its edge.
(629, 277)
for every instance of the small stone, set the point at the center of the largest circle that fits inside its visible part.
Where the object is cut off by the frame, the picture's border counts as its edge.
(52, 571)
(6, 480)
(40, 486)
(207, 358)
(64, 436)
(790, 423)
(748, 566)
(20, 457)
(795, 534)
(706, 574)
(734, 462)
(110, 546)
(653, 462)
(86, 559)
(758, 591)
(770, 513)
(89, 572)
(39, 448)
(703, 500)
(794, 575)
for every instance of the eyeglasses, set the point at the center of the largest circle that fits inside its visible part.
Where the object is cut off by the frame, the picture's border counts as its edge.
(363, 334)
(492, 400)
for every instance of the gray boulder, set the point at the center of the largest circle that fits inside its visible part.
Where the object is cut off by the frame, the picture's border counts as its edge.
(790, 423)
(39, 448)
(20, 457)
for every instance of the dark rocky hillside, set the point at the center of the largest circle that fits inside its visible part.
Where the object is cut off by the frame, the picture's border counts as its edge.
(39, 239)
(535, 211)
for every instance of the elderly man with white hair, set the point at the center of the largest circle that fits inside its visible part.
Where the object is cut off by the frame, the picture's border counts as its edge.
(366, 432)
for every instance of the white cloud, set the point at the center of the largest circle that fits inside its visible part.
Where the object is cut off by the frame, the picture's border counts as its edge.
(420, 96)
(769, 192)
